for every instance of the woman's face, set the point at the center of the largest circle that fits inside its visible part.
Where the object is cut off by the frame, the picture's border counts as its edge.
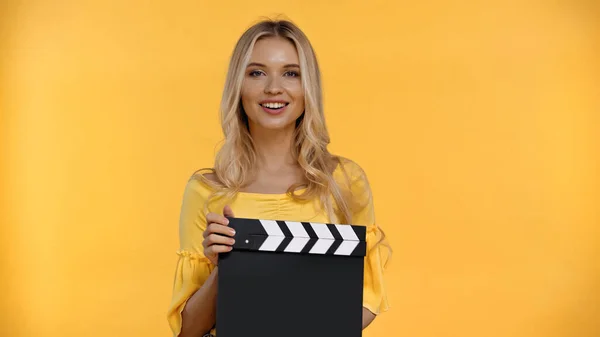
(272, 93)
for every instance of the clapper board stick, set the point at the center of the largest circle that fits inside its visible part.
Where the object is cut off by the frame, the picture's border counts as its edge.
(293, 279)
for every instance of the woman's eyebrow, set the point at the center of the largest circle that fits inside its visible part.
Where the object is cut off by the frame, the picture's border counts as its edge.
(256, 64)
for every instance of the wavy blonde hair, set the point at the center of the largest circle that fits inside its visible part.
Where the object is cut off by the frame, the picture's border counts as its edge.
(237, 156)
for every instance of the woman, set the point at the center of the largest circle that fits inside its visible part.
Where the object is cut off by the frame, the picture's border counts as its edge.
(274, 164)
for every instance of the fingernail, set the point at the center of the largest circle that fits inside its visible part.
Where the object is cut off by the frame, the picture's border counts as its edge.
(232, 231)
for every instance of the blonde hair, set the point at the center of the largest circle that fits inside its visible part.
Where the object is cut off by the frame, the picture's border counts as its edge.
(237, 156)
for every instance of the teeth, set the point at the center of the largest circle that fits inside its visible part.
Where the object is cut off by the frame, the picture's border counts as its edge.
(273, 105)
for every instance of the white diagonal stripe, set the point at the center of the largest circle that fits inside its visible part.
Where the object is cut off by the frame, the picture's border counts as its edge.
(322, 231)
(296, 245)
(297, 229)
(346, 248)
(271, 227)
(321, 246)
(271, 243)
(274, 235)
(347, 232)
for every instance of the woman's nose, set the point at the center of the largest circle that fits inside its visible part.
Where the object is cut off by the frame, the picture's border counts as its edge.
(273, 86)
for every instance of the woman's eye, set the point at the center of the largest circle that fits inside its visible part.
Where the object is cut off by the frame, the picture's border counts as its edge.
(255, 73)
(292, 74)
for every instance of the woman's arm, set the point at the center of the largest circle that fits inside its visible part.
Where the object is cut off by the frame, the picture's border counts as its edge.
(198, 315)
(367, 317)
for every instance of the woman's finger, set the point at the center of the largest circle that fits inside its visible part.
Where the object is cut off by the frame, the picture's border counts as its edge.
(227, 212)
(216, 218)
(218, 240)
(218, 229)
(216, 249)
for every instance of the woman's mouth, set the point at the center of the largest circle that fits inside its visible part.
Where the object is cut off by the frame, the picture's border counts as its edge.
(274, 108)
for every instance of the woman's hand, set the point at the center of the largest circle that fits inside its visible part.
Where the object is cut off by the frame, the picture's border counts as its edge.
(218, 236)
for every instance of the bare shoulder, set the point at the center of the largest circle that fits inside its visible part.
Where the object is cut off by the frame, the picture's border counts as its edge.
(205, 176)
(212, 177)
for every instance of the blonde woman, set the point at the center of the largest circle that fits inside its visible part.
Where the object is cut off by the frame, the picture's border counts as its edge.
(274, 164)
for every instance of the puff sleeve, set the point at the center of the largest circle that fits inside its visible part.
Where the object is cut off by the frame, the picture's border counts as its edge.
(379, 252)
(192, 267)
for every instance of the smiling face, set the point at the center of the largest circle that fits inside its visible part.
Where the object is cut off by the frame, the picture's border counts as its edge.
(272, 93)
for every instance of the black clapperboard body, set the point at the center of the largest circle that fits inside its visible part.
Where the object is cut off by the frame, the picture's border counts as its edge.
(291, 279)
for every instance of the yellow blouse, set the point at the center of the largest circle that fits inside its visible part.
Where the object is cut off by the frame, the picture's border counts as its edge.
(193, 267)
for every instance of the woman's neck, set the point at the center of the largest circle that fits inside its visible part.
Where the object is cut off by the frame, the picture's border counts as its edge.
(273, 148)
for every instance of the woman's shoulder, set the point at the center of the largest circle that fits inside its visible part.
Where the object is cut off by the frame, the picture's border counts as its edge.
(346, 172)
(352, 180)
(350, 171)
(201, 183)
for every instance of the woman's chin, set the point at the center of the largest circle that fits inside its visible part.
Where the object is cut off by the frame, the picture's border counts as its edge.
(273, 125)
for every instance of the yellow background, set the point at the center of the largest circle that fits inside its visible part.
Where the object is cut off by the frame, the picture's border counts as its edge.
(477, 123)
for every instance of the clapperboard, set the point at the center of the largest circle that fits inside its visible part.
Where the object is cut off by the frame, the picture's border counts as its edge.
(291, 279)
